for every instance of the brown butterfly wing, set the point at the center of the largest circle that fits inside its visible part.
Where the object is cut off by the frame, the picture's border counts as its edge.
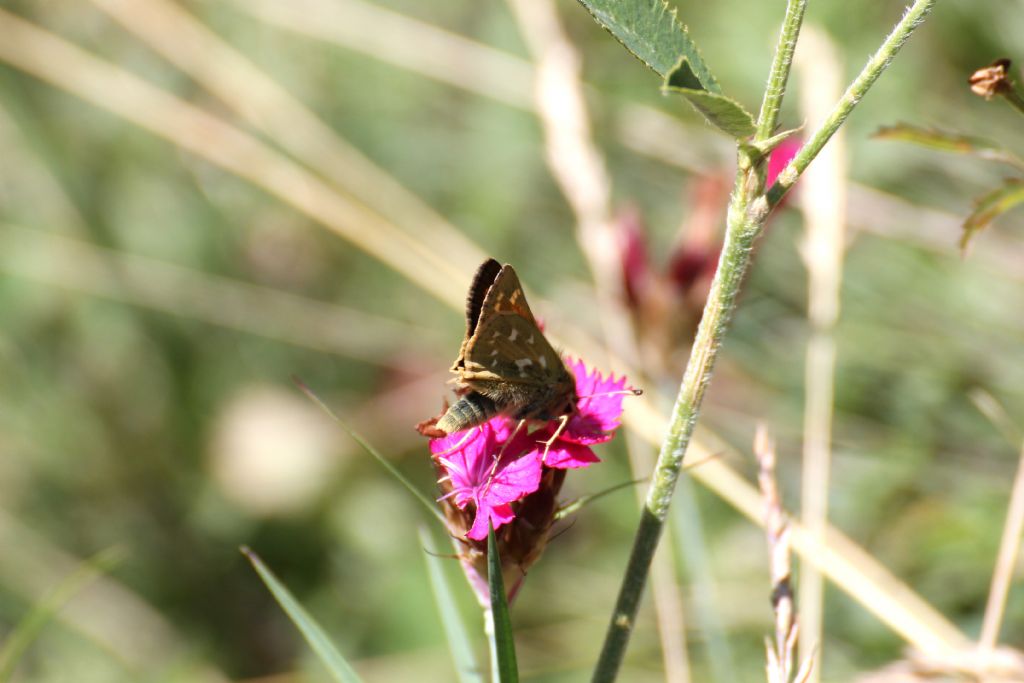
(485, 276)
(509, 360)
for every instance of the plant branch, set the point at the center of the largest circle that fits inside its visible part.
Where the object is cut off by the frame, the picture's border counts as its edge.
(740, 234)
(746, 217)
(867, 77)
(779, 75)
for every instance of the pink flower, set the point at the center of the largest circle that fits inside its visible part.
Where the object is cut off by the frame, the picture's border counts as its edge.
(494, 465)
(488, 471)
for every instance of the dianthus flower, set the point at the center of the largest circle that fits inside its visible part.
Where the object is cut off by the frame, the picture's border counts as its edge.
(508, 475)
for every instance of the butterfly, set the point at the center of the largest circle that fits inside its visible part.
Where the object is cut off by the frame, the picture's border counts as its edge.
(505, 366)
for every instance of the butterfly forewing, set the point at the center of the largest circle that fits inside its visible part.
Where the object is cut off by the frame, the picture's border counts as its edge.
(505, 356)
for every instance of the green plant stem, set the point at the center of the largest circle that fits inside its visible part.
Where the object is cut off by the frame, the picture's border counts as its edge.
(732, 265)
(748, 211)
(867, 77)
(779, 75)
(1014, 98)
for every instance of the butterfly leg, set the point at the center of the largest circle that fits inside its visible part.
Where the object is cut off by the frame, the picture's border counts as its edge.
(512, 435)
(501, 452)
(562, 422)
(457, 446)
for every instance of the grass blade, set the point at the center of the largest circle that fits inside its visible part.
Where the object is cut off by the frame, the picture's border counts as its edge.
(499, 627)
(392, 470)
(945, 141)
(339, 669)
(29, 628)
(466, 666)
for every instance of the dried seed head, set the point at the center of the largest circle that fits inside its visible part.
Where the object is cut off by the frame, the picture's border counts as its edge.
(992, 79)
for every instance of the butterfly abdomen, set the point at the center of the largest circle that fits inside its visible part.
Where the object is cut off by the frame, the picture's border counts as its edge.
(469, 411)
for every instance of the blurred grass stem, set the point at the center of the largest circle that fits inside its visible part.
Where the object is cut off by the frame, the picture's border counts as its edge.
(183, 40)
(1009, 549)
(67, 66)
(823, 202)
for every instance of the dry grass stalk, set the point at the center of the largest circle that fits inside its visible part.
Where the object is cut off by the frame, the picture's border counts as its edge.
(271, 313)
(1000, 665)
(254, 96)
(1009, 549)
(781, 654)
(823, 202)
(55, 60)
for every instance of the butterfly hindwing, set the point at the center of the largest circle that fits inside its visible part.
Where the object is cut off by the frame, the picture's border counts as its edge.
(505, 357)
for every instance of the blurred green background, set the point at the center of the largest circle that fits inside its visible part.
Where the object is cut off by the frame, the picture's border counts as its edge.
(148, 344)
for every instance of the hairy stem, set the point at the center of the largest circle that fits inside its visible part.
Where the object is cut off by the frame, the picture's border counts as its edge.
(779, 75)
(867, 77)
(732, 265)
(748, 211)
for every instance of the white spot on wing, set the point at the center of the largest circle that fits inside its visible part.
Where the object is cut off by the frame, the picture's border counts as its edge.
(523, 363)
(513, 335)
(494, 352)
(529, 340)
(543, 362)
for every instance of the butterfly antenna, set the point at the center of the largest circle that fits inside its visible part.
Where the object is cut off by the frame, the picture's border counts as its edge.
(618, 392)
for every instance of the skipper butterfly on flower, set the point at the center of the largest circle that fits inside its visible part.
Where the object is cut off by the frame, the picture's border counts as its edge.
(505, 366)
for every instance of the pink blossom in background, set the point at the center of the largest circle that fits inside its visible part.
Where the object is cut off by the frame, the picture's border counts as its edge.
(780, 157)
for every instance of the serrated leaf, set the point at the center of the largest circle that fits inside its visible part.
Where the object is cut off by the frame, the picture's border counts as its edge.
(503, 647)
(990, 206)
(651, 31)
(314, 635)
(466, 667)
(945, 141)
(724, 113)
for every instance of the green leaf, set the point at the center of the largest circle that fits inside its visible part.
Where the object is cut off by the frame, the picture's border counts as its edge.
(945, 141)
(339, 669)
(651, 31)
(466, 666)
(724, 113)
(31, 625)
(392, 470)
(503, 647)
(990, 206)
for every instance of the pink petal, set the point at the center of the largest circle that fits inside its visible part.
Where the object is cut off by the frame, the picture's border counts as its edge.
(513, 480)
(779, 158)
(600, 406)
(564, 455)
(502, 514)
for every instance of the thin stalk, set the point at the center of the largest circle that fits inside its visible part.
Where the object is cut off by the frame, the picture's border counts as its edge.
(781, 64)
(1009, 548)
(747, 214)
(823, 201)
(732, 265)
(1014, 98)
(867, 77)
